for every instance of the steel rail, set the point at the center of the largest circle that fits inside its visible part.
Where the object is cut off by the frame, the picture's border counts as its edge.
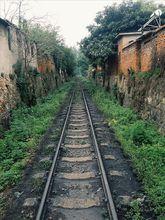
(111, 206)
(40, 211)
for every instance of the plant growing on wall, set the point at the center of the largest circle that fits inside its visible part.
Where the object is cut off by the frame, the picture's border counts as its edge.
(50, 43)
(24, 84)
(34, 42)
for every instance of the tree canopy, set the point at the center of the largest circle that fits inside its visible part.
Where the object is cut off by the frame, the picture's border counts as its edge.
(126, 17)
(82, 64)
(46, 37)
(50, 43)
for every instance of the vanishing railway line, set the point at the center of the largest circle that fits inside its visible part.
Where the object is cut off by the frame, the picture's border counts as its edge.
(77, 186)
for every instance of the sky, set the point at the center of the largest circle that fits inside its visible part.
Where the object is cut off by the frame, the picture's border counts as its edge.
(72, 16)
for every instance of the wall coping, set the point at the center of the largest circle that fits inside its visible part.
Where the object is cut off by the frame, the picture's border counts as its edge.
(144, 36)
(120, 35)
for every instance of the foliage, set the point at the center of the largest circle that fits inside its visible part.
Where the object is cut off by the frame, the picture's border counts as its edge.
(147, 75)
(126, 17)
(140, 140)
(27, 127)
(132, 74)
(12, 76)
(24, 76)
(68, 61)
(135, 211)
(2, 75)
(82, 64)
(50, 43)
(46, 37)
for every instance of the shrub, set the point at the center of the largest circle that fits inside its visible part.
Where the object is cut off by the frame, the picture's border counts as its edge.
(140, 141)
(27, 126)
(147, 75)
(138, 133)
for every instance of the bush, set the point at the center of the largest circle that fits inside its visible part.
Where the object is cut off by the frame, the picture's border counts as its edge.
(139, 134)
(27, 126)
(147, 75)
(140, 141)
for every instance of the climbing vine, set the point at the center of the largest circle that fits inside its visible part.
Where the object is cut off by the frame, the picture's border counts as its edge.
(24, 79)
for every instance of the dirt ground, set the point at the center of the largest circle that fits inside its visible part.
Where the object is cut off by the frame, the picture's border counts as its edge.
(23, 200)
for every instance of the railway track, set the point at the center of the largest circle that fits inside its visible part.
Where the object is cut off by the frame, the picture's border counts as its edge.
(77, 186)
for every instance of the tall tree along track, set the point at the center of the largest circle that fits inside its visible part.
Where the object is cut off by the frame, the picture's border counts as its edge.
(77, 186)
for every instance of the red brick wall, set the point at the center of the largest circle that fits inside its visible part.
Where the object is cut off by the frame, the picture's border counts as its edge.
(152, 50)
(129, 59)
(46, 65)
(142, 55)
(146, 55)
(160, 41)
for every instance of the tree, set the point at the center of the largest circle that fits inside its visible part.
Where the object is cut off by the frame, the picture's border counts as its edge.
(14, 10)
(82, 64)
(126, 17)
(46, 37)
(68, 61)
(40, 42)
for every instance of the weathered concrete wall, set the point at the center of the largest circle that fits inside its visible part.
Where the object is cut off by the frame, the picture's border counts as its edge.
(9, 95)
(39, 73)
(6, 57)
(13, 47)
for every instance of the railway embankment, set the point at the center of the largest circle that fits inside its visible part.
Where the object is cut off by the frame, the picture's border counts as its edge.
(76, 189)
(131, 150)
(22, 141)
(140, 141)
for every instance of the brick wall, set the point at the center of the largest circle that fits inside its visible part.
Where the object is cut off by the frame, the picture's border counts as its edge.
(160, 40)
(129, 58)
(144, 54)
(46, 65)
(144, 95)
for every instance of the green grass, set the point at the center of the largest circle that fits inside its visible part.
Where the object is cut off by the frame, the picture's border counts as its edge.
(141, 142)
(27, 127)
(147, 75)
(45, 164)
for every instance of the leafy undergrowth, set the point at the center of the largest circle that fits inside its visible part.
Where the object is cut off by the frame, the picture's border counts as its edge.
(140, 140)
(27, 127)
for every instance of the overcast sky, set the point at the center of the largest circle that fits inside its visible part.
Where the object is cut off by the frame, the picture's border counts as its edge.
(71, 15)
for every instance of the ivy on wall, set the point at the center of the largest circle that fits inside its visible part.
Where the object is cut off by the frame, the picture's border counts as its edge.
(25, 82)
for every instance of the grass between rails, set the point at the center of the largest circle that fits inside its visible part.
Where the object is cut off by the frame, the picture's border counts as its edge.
(27, 127)
(141, 142)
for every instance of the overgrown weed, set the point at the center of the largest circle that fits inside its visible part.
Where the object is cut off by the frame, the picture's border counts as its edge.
(27, 126)
(140, 140)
